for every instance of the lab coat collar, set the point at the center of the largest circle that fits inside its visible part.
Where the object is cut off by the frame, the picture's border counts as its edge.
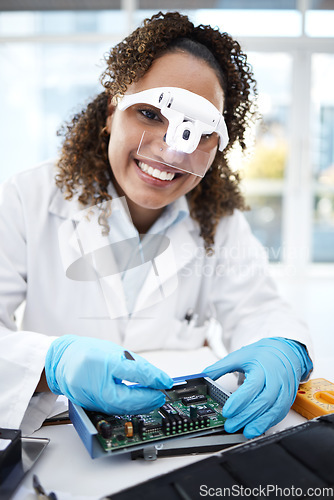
(72, 209)
(175, 224)
(173, 214)
(162, 279)
(67, 209)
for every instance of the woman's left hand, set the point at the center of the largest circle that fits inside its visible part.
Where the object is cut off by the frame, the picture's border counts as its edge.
(273, 369)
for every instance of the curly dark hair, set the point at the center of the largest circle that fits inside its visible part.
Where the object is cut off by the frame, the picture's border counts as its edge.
(83, 165)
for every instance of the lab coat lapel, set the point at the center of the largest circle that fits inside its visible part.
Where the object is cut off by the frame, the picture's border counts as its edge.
(66, 209)
(79, 239)
(162, 277)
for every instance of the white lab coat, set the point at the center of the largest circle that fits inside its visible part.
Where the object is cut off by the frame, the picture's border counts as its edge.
(233, 284)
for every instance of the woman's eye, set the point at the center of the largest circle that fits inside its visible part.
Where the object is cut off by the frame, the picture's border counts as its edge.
(148, 113)
(205, 137)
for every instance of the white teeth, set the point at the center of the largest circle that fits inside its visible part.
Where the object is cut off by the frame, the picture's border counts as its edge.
(155, 172)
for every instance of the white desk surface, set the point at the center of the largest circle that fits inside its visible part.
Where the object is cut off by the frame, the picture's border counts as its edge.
(66, 468)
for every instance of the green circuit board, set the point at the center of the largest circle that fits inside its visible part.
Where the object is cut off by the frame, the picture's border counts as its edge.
(188, 409)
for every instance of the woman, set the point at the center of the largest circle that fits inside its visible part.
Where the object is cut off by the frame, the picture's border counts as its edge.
(136, 240)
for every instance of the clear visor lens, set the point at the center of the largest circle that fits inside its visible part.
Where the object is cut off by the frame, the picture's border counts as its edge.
(153, 147)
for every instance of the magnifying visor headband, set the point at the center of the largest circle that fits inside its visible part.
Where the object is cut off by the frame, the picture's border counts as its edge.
(189, 115)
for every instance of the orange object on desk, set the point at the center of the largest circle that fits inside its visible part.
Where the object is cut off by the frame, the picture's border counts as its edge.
(315, 398)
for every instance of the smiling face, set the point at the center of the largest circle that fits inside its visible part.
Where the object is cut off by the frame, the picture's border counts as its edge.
(150, 186)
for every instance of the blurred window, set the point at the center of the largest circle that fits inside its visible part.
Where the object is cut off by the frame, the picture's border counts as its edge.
(41, 86)
(50, 63)
(323, 157)
(263, 168)
(319, 23)
(23, 23)
(257, 22)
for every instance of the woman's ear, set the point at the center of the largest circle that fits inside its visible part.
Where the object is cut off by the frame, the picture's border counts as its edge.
(110, 112)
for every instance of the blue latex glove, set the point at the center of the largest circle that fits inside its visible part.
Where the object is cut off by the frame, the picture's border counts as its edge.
(273, 368)
(89, 372)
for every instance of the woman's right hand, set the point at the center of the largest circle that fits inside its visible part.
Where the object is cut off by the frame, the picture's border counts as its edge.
(90, 371)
